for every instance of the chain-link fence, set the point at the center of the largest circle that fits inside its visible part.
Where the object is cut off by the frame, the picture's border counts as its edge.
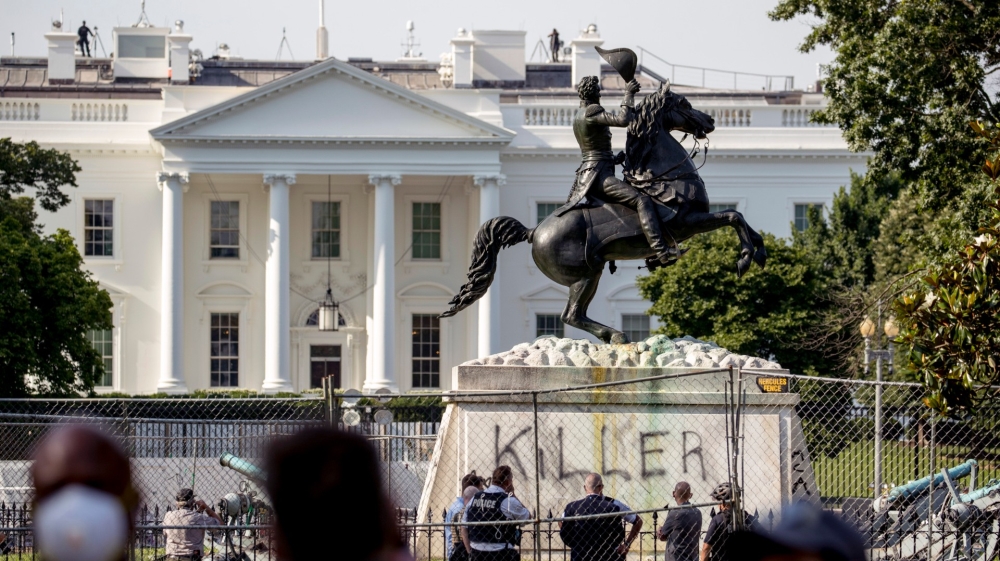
(772, 437)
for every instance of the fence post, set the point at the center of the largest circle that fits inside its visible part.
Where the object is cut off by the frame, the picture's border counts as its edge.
(538, 506)
(878, 421)
(930, 490)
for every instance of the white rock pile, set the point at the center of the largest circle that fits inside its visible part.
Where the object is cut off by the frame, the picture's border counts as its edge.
(656, 351)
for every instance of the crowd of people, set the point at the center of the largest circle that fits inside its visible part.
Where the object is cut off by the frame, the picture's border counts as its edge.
(328, 499)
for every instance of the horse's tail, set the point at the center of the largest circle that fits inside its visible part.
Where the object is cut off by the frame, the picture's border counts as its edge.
(496, 234)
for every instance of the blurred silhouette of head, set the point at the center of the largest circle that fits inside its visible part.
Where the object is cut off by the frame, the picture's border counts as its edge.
(323, 481)
(84, 498)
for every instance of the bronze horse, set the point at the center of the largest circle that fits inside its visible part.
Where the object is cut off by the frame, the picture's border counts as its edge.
(573, 249)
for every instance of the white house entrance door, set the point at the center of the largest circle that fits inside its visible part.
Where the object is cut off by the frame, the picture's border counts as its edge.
(324, 360)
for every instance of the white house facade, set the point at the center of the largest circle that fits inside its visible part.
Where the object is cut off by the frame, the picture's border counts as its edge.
(219, 199)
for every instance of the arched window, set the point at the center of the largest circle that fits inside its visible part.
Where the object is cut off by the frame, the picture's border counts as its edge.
(313, 320)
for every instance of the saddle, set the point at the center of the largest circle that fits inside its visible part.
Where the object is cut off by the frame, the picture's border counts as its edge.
(608, 222)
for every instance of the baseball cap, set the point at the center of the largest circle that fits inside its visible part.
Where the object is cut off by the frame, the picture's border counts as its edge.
(804, 527)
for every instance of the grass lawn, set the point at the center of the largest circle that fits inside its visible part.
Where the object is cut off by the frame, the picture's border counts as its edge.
(851, 473)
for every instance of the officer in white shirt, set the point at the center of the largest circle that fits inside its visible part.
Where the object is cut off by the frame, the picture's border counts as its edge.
(497, 503)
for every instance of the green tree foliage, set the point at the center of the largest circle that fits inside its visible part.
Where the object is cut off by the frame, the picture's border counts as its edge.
(906, 79)
(845, 240)
(950, 322)
(47, 302)
(767, 312)
(26, 165)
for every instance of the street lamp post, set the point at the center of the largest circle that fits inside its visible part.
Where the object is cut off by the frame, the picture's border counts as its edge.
(878, 354)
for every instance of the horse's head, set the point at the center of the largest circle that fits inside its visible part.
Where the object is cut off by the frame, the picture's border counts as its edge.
(677, 114)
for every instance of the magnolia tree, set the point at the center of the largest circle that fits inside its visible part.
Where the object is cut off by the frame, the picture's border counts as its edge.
(950, 321)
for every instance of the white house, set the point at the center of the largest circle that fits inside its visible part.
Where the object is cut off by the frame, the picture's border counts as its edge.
(219, 198)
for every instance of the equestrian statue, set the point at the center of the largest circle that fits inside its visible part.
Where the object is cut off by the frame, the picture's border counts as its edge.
(661, 201)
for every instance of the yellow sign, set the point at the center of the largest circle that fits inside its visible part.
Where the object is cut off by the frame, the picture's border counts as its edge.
(772, 385)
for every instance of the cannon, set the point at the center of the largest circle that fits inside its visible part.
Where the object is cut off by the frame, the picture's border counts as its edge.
(243, 467)
(929, 519)
(249, 500)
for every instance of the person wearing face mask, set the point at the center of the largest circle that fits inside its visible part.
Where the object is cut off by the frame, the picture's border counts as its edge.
(186, 544)
(84, 498)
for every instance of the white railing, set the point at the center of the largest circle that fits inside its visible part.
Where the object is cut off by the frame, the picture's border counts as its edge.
(100, 112)
(727, 116)
(798, 118)
(560, 116)
(18, 111)
(730, 117)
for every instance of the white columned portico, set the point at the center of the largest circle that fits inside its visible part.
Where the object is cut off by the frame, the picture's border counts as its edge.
(381, 371)
(277, 289)
(489, 305)
(171, 380)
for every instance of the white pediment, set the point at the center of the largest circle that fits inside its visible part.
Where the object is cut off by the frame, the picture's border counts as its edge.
(549, 292)
(331, 101)
(425, 290)
(627, 292)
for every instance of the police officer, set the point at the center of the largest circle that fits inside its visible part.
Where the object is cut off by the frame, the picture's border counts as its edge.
(598, 539)
(497, 503)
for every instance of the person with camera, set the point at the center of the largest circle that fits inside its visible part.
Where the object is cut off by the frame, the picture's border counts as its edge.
(187, 544)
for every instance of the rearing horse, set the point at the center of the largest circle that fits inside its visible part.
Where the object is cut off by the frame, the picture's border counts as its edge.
(574, 248)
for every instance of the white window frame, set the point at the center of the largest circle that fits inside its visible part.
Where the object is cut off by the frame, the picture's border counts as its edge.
(445, 261)
(240, 371)
(118, 301)
(625, 299)
(344, 261)
(243, 261)
(793, 202)
(116, 230)
(413, 303)
(559, 315)
(223, 304)
(621, 319)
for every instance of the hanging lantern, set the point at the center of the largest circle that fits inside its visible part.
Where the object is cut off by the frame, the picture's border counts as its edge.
(329, 313)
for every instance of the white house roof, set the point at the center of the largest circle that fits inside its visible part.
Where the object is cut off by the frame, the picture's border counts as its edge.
(332, 102)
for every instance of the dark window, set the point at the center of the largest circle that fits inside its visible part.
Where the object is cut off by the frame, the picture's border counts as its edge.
(98, 228)
(719, 207)
(548, 324)
(426, 351)
(225, 350)
(324, 361)
(325, 230)
(103, 342)
(544, 210)
(225, 231)
(426, 231)
(635, 326)
(802, 215)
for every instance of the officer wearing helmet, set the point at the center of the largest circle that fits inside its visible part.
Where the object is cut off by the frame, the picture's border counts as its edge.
(721, 527)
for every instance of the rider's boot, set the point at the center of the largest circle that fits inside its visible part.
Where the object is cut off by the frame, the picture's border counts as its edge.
(650, 221)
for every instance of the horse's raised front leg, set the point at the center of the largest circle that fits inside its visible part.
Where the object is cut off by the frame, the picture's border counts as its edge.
(581, 293)
(701, 222)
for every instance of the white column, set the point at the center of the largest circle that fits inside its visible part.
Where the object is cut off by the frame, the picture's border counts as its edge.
(277, 289)
(382, 369)
(489, 304)
(173, 185)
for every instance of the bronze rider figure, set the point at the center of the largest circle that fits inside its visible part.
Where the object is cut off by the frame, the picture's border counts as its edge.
(596, 175)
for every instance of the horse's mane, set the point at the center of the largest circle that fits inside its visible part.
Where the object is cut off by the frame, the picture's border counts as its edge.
(645, 128)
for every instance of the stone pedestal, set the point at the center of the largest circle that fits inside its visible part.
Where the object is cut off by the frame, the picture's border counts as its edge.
(643, 437)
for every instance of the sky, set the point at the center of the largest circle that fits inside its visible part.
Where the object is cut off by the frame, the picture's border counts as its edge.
(732, 35)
